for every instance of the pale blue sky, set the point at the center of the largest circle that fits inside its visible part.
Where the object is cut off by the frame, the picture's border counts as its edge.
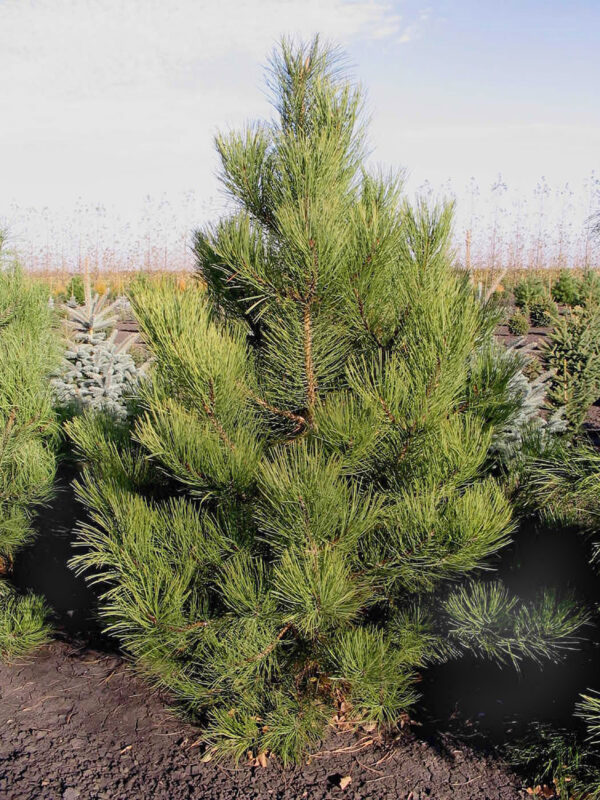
(112, 100)
(488, 87)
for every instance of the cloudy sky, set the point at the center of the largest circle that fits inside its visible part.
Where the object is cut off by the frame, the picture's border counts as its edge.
(113, 100)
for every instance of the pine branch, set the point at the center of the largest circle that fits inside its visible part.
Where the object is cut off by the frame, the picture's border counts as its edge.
(308, 362)
(361, 310)
(8, 427)
(280, 412)
(210, 413)
(387, 411)
(184, 629)
(269, 649)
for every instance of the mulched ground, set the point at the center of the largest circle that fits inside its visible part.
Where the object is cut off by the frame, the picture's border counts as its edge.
(78, 724)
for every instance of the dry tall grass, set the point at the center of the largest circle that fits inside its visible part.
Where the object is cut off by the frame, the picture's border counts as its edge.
(114, 281)
(496, 228)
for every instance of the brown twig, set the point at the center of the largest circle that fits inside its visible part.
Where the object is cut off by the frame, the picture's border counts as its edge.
(199, 624)
(308, 361)
(280, 412)
(8, 427)
(387, 411)
(272, 645)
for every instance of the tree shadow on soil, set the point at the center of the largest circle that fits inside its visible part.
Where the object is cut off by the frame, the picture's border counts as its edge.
(474, 700)
(43, 567)
(485, 704)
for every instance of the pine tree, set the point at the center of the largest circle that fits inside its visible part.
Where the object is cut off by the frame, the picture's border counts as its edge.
(27, 464)
(308, 476)
(568, 289)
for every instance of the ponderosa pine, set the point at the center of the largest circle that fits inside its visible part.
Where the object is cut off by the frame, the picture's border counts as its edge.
(308, 480)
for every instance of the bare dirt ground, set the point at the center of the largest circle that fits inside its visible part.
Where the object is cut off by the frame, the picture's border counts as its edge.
(77, 724)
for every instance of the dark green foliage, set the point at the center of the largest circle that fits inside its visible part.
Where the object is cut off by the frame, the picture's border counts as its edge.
(589, 709)
(557, 759)
(542, 312)
(75, 291)
(528, 291)
(573, 353)
(590, 288)
(23, 625)
(493, 624)
(519, 323)
(308, 475)
(567, 290)
(565, 488)
(27, 465)
(27, 353)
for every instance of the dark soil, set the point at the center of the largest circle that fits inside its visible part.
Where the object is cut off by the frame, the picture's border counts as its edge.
(125, 327)
(537, 335)
(77, 723)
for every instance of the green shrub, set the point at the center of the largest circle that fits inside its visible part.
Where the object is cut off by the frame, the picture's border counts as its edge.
(23, 625)
(518, 324)
(528, 291)
(556, 759)
(590, 288)
(75, 291)
(542, 312)
(567, 289)
(27, 354)
(573, 353)
(282, 536)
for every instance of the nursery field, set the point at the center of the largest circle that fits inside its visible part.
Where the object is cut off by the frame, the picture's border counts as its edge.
(82, 723)
(317, 518)
(117, 282)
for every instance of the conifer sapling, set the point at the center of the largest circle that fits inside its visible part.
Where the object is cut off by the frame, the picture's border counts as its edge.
(97, 372)
(308, 475)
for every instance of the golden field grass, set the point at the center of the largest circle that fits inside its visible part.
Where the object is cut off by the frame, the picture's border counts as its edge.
(118, 281)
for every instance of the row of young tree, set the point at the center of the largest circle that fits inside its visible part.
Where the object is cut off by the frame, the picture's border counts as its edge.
(29, 350)
(288, 519)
